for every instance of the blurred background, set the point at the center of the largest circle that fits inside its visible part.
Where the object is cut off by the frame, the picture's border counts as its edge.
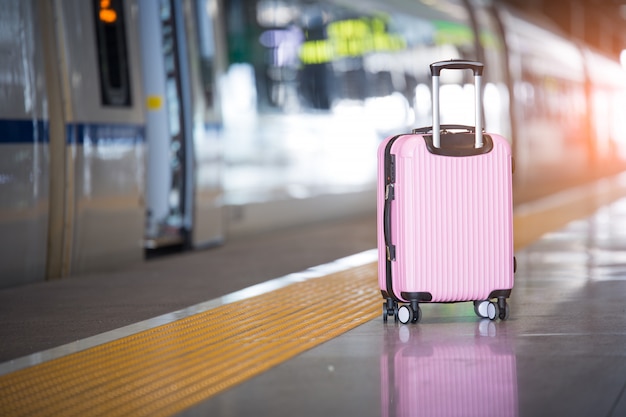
(131, 129)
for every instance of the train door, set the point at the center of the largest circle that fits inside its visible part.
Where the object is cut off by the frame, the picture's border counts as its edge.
(96, 130)
(183, 205)
(206, 58)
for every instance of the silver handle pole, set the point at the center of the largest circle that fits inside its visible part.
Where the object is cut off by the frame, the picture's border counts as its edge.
(436, 122)
(479, 120)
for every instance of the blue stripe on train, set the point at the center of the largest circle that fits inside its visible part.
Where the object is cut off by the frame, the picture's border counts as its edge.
(105, 134)
(31, 132)
(24, 131)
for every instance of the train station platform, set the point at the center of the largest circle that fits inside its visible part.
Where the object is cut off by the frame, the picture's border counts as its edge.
(290, 323)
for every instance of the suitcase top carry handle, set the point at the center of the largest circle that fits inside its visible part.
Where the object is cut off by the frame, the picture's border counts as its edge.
(477, 68)
(436, 67)
(429, 129)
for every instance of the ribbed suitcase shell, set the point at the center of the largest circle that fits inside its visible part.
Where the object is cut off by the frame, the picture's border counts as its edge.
(451, 221)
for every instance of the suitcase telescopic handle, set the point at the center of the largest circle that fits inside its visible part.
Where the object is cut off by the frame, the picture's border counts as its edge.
(477, 68)
(436, 67)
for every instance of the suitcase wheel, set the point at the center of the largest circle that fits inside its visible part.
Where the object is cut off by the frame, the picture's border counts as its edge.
(390, 308)
(486, 309)
(503, 309)
(492, 310)
(407, 314)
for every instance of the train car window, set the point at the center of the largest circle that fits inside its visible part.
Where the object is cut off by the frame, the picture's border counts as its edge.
(112, 53)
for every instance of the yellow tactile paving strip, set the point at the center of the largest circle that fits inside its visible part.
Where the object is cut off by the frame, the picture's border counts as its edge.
(164, 370)
(167, 369)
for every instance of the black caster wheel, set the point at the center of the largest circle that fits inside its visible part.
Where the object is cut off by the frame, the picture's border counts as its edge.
(390, 308)
(503, 309)
(417, 315)
(417, 311)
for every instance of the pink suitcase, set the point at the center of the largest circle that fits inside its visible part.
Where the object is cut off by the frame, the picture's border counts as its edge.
(445, 216)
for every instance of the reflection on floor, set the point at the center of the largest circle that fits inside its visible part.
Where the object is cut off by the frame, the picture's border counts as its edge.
(561, 353)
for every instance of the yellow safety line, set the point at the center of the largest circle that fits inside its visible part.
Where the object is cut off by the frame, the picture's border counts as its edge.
(164, 370)
(533, 220)
(169, 368)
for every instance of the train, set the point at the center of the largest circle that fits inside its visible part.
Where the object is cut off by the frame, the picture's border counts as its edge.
(132, 127)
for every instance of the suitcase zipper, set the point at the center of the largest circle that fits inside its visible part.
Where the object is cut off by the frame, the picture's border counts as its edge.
(389, 197)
